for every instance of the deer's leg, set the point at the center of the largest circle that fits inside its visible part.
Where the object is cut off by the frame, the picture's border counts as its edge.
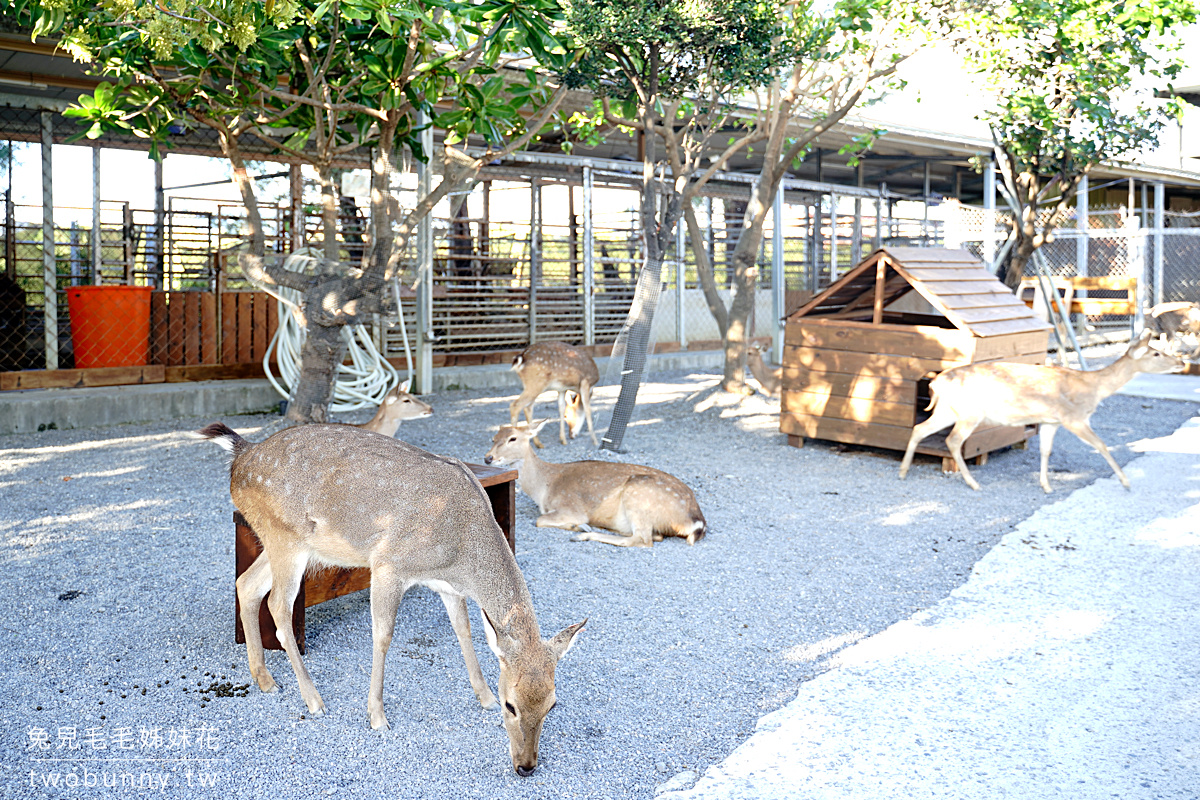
(1084, 431)
(962, 430)
(585, 394)
(1046, 433)
(640, 504)
(287, 572)
(456, 608)
(252, 587)
(562, 416)
(642, 536)
(938, 420)
(568, 520)
(386, 593)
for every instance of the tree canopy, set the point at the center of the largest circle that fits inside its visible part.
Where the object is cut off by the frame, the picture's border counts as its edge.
(1072, 82)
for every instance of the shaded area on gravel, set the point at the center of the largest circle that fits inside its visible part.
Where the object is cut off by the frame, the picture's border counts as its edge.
(809, 550)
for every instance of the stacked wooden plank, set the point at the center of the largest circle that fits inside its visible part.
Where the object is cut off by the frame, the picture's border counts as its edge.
(857, 371)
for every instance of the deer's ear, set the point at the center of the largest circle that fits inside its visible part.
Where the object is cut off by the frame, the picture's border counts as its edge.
(536, 428)
(404, 386)
(493, 638)
(562, 642)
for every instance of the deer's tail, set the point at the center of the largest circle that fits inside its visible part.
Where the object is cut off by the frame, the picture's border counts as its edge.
(225, 437)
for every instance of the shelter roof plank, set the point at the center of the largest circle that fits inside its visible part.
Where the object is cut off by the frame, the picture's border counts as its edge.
(954, 282)
(961, 287)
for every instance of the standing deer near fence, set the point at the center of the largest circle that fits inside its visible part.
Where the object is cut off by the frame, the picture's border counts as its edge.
(335, 495)
(642, 504)
(769, 377)
(1001, 393)
(397, 405)
(555, 366)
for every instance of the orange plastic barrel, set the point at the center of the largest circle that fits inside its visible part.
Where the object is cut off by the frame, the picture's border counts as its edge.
(110, 325)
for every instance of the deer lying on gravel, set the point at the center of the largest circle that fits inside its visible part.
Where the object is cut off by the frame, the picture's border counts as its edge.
(769, 377)
(334, 495)
(1000, 393)
(642, 504)
(1174, 320)
(555, 366)
(397, 405)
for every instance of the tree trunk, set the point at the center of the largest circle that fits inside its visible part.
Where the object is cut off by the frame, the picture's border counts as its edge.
(322, 353)
(241, 179)
(329, 210)
(704, 271)
(1022, 252)
(382, 236)
(745, 285)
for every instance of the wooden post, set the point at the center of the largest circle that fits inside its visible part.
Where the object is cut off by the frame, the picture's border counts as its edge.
(880, 275)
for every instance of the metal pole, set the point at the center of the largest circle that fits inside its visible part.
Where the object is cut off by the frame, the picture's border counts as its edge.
(424, 358)
(49, 266)
(160, 220)
(710, 237)
(778, 279)
(878, 243)
(1081, 224)
(833, 238)
(1160, 222)
(925, 203)
(856, 238)
(989, 216)
(680, 283)
(535, 252)
(97, 234)
(1137, 268)
(589, 262)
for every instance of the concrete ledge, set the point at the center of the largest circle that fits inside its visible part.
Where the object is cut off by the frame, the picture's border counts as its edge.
(25, 411)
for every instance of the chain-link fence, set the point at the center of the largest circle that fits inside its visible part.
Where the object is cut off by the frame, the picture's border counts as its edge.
(1165, 261)
(511, 266)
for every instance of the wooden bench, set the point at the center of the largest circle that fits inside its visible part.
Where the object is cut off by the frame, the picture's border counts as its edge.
(326, 584)
(1069, 290)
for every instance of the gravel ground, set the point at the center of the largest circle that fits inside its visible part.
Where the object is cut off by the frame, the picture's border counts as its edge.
(119, 551)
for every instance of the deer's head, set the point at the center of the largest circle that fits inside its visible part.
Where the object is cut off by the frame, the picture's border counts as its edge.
(527, 687)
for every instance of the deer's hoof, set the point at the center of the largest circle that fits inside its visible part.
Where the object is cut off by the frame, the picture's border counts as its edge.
(265, 681)
(379, 722)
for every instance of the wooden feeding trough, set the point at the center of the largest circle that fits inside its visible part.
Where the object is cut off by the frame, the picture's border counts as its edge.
(858, 357)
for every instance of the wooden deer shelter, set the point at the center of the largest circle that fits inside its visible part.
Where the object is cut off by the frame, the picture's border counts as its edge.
(858, 357)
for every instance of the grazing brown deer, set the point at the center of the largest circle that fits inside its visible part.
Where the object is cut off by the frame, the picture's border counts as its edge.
(1000, 393)
(555, 366)
(642, 504)
(335, 495)
(397, 405)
